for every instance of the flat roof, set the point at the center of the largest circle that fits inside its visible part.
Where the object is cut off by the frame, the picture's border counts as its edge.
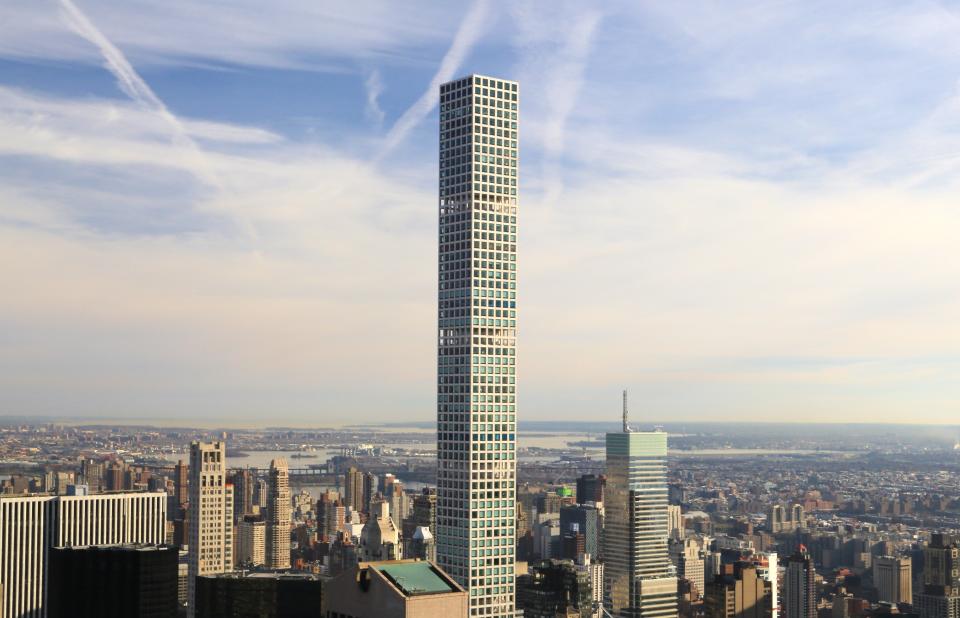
(414, 578)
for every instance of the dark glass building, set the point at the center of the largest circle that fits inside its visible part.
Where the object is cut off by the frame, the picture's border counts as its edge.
(113, 582)
(258, 595)
(552, 588)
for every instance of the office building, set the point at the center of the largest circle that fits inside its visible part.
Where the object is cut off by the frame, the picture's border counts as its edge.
(353, 494)
(738, 592)
(264, 595)
(278, 516)
(585, 520)
(210, 538)
(394, 589)
(799, 591)
(893, 578)
(940, 597)
(331, 515)
(243, 486)
(674, 522)
(638, 569)
(554, 588)
(181, 492)
(477, 330)
(252, 541)
(31, 525)
(688, 556)
(118, 581)
(590, 488)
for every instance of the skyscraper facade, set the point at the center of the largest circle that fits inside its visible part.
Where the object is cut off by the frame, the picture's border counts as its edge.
(893, 578)
(637, 570)
(477, 330)
(799, 591)
(278, 514)
(210, 539)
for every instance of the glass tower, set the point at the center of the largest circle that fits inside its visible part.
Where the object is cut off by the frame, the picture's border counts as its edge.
(477, 335)
(637, 570)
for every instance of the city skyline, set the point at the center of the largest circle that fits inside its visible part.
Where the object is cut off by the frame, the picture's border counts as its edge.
(226, 231)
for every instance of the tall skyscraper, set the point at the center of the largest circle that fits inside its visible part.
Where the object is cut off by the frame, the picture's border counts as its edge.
(477, 330)
(243, 481)
(210, 539)
(180, 484)
(637, 571)
(353, 490)
(893, 577)
(799, 592)
(278, 516)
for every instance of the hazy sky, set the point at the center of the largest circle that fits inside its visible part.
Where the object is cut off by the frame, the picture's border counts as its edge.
(228, 209)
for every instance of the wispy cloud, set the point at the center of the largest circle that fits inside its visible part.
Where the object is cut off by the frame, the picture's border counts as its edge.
(555, 55)
(469, 32)
(374, 88)
(135, 87)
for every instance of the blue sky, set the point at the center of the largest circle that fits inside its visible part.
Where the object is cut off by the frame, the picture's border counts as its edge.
(739, 210)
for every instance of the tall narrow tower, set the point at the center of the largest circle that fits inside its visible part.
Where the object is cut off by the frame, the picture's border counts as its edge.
(477, 335)
(637, 579)
(211, 516)
(278, 516)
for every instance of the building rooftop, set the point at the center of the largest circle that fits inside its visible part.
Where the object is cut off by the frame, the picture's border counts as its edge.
(415, 578)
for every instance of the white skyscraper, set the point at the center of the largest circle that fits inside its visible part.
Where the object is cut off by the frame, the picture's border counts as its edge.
(637, 570)
(210, 541)
(477, 330)
(278, 514)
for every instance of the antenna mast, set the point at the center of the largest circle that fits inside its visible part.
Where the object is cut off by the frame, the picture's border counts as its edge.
(626, 423)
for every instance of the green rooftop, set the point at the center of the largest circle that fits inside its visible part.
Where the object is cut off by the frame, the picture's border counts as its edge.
(414, 578)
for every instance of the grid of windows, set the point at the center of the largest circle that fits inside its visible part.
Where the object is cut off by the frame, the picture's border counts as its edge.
(477, 322)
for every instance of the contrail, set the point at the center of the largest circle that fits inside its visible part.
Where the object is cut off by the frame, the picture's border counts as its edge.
(133, 86)
(467, 35)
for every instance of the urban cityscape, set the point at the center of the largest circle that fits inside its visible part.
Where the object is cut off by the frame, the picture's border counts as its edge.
(617, 511)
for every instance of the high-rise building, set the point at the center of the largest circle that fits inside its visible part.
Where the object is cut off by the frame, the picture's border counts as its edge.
(738, 592)
(941, 579)
(119, 581)
(688, 556)
(353, 490)
(674, 522)
(555, 588)
(799, 591)
(893, 578)
(210, 539)
(590, 488)
(278, 516)
(31, 525)
(586, 520)
(180, 484)
(252, 541)
(243, 482)
(638, 576)
(477, 330)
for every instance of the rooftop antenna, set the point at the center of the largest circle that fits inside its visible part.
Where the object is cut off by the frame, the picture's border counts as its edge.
(626, 423)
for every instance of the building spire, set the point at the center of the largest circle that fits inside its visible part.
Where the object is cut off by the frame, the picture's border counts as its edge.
(626, 422)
